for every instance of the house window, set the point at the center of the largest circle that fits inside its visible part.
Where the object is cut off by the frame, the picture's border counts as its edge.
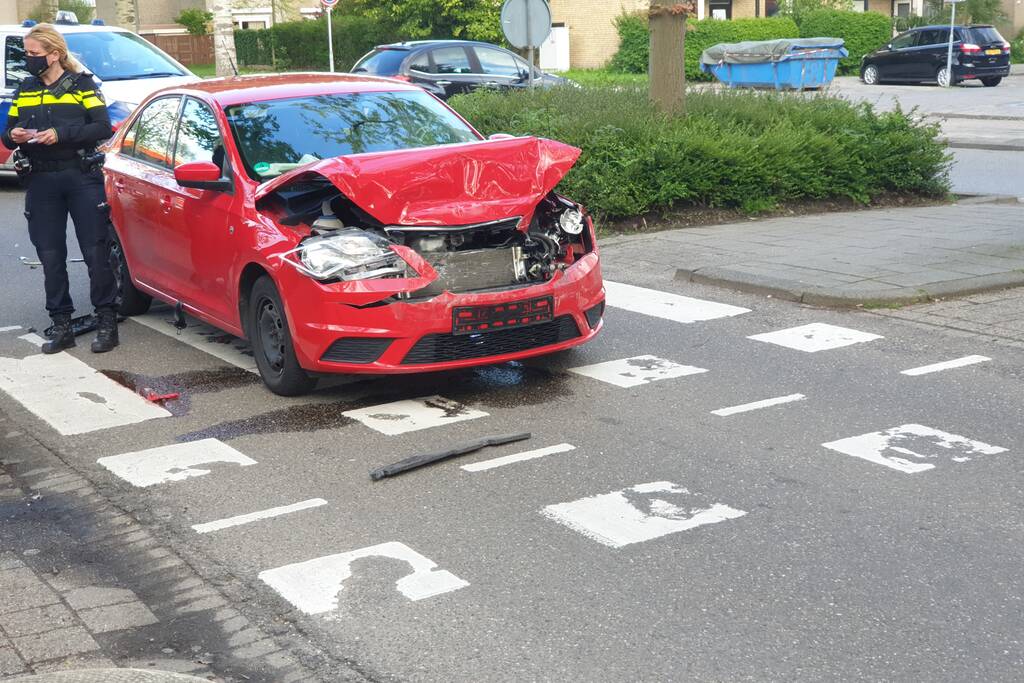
(860, 5)
(903, 9)
(720, 9)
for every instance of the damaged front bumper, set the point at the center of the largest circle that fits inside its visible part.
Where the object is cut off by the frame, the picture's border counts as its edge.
(368, 326)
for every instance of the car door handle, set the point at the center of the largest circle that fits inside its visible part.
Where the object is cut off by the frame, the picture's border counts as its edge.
(165, 203)
(491, 84)
(119, 184)
(443, 84)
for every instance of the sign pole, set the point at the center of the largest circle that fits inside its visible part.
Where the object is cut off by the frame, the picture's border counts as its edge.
(330, 37)
(949, 50)
(529, 43)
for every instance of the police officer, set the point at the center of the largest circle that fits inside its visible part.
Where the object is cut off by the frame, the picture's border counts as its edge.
(57, 118)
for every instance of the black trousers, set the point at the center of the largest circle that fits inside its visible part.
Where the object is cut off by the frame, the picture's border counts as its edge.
(50, 197)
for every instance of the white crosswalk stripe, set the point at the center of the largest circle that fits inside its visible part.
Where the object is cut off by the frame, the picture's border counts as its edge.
(633, 372)
(10, 328)
(815, 337)
(251, 517)
(681, 309)
(757, 405)
(909, 448)
(172, 463)
(201, 336)
(412, 415)
(946, 365)
(72, 397)
(518, 457)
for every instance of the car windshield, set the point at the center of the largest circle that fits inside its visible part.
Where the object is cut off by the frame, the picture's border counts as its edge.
(116, 56)
(381, 62)
(277, 136)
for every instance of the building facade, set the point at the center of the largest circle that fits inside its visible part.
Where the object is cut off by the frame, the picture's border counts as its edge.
(157, 16)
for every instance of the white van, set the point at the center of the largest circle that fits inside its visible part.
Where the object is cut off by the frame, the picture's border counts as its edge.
(127, 67)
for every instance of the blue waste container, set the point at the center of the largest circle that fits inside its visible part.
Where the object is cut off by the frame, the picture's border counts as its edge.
(786, 64)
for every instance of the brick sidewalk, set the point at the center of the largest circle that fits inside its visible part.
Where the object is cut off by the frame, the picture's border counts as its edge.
(84, 586)
(871, 257)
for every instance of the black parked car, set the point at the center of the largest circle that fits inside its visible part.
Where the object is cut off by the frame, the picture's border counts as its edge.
(919, 55)
(450, 67)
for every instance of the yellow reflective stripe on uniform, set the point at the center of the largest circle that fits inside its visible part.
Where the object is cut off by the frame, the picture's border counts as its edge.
(91, 102)
(69, 98)
(24, 101)
(13, 111)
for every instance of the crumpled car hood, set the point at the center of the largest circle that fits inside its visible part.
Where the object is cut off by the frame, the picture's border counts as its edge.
(476, 182)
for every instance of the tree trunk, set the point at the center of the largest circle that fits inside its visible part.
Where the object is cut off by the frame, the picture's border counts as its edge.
(668, 56)
(125, 13)
(223, 37)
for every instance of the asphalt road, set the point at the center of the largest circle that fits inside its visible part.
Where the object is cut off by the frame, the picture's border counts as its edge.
(669, 542)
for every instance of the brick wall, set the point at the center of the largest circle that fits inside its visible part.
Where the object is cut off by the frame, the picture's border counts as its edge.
(880, 6)
(592, 36)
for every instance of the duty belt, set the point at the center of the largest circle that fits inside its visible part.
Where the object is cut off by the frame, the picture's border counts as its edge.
(53, 165)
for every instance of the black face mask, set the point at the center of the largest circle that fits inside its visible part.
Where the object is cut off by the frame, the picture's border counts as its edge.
(36, 65)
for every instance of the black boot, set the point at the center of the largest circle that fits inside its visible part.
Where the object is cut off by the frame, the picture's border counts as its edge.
(106, 331)
(63, 336)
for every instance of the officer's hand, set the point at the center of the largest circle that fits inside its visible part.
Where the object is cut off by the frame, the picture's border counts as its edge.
(20, 135)
(47, 137)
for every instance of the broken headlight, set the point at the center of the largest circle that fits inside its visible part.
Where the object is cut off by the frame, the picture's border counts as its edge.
(349, 254)
(571, 221)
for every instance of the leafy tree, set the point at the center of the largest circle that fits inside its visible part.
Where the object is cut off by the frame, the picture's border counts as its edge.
(83, 10)
(968, 12)
(416, 19)
(798, 9)
(195, 21)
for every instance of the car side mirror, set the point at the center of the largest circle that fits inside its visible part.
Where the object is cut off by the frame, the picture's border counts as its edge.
(201, 175)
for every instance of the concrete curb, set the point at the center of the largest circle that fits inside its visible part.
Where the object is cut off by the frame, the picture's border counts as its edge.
(840, 297)
(964, 143)
(108, 676)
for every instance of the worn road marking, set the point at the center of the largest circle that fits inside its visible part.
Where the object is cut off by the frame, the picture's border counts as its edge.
(632, 372)
(206, 338)
(72, 397)
(639, 513)
(757, 405)
(518, 457)
(33, 339)
(172, 463)
(681, 309)
(904, 448)
(239, 520)
(946, 365)
(815, 337)
(10, 328)
(313, 586)
(413, 414)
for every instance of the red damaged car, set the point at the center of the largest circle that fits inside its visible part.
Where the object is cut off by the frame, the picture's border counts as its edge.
(349, 224)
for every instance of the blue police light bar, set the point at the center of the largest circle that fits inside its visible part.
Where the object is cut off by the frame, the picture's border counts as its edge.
(29, 23)
(98, 22)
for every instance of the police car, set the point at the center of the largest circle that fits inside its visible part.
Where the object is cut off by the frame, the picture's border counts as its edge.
(127, 67)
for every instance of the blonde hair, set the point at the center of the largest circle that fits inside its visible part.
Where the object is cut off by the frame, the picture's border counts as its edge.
(52, 41)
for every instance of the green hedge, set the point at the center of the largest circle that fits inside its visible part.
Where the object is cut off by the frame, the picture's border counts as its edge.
(731, 149)
(298, 45)
(634, 40)
(1017, 49)
(863, 32)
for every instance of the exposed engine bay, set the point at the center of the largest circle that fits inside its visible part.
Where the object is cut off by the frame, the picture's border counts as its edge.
(344, 242)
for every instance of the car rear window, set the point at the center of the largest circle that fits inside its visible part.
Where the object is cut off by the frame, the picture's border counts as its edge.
(984, 35)
(382, 62)
(277, 136)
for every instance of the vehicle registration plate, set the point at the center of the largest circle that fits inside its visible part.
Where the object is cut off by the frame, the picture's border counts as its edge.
(993, 52)
(477, 319)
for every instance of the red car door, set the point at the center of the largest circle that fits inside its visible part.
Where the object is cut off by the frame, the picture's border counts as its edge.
(209, 222)
(140, 175)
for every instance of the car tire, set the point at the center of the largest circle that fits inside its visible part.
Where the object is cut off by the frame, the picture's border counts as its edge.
(992, 82)
(870, 75)
(132, 301)
(267, 327)
(941, 77)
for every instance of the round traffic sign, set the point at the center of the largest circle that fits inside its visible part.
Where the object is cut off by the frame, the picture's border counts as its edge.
(526, 23)
(328, 3)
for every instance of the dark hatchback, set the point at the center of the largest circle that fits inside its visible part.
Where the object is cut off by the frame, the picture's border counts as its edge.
(451, 67)
(919, 55)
